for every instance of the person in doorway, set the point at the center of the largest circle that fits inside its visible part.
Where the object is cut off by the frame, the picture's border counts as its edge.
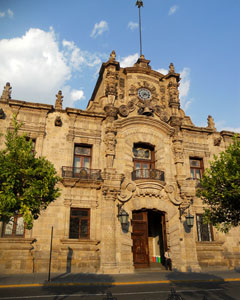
(168, 260)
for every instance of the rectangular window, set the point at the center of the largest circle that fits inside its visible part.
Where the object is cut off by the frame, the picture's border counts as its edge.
(14, 228)
(82, 160)
(196, 168)
(205, 232)
(143, 157)
(79, 223)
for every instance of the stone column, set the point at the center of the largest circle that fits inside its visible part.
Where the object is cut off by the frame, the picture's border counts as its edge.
(108, 240)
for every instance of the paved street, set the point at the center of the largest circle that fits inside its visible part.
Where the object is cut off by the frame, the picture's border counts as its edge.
(139, 286)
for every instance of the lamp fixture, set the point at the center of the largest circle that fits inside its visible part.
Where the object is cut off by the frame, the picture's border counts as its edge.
(122, 215)
(189, 217)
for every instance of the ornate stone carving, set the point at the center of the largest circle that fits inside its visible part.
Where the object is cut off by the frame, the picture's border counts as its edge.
(6, 94)
(127, 191)
(178, 149)
(112, 56)
(211, 124)
(58, 121)
(111, 112)
(171, 192)
(58, 103)
(171, 68)
(110, 142)
(173, 92)
(151, 189)
(131, 106)
(111, 81)
(123, 111)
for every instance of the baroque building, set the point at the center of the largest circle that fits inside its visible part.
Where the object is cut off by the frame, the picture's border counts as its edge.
(130, 164)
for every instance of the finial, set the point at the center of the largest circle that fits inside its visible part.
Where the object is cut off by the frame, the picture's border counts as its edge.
(58, 103)
(6, 94)
(211, 123)
(112, 56)
(139, 3)
(171, 68)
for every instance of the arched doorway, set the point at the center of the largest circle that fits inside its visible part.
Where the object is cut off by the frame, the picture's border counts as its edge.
(149, 237)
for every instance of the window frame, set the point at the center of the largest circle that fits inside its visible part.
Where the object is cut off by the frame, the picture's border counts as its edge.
(82, 156)
(80, 218)
(195, 168)
(200, 225)
(14, 228)
(149, 162)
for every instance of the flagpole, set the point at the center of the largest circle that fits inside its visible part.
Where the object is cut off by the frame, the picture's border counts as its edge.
(139, 4)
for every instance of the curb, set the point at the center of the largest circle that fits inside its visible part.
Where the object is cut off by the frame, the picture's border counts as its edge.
(113, 283)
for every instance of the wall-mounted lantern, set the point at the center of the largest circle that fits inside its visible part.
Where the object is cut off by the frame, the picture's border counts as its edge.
(122, 215)
(189, 217)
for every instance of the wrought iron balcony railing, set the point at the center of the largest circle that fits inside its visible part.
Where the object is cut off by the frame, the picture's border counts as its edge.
(82, 173)
(148, 174)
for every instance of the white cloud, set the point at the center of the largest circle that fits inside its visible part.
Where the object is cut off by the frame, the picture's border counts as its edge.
(184, 88)
(37, 68)
(231, 129)
(77, 95)
(132, 25)
(10, 13)
(172, 10)
(99, 28)
(220, 125)
(129, 61)
(162, 71)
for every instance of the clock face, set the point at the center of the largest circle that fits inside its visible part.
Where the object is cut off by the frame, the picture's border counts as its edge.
(144, 94)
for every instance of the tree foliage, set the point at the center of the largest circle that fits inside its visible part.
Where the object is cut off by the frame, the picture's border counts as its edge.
(27, 183)
(220, 188)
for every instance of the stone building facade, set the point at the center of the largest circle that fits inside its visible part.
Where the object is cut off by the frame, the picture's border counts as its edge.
(132, 153)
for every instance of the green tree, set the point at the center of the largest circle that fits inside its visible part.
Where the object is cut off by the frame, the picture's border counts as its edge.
(27, 183)
(220, 188)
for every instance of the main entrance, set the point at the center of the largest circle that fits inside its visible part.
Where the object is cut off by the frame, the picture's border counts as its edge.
(149, 237)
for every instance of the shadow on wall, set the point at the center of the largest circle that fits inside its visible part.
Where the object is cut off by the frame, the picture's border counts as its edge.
(69, 260)
(195, 287)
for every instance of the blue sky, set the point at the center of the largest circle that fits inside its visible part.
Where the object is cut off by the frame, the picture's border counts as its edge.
(46, 46)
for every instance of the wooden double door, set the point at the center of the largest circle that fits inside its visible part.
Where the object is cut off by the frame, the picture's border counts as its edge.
(140, 234)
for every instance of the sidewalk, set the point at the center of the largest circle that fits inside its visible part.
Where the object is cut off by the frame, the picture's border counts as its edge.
(139, 277)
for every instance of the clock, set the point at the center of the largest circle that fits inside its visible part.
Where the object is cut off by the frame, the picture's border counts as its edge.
(144, 94)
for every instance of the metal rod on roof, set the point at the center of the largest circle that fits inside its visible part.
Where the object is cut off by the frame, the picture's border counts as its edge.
(139, 4)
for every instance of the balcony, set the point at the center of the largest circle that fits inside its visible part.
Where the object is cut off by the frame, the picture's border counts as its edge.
(148, 174)
(81, 173)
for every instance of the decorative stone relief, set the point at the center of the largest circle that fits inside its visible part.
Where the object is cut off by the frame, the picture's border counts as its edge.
(58, 103)
(6, 94)
(110, 142)
(58, 122)
(172, 195)
(173, 91)
(111, 81)
(127, 191)
(211, 124)
(152, 189)
(145, 107)
(123, 111)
